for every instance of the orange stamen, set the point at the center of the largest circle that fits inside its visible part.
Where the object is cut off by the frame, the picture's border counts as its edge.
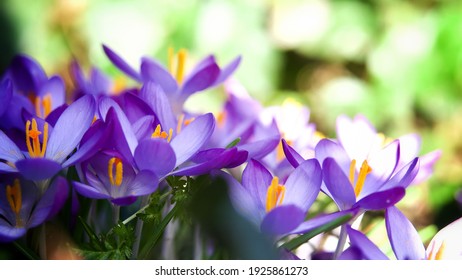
(275, 194)
(33, 139)
(117, 180)
(158, 133)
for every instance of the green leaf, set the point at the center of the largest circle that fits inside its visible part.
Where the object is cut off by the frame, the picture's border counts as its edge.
(296, 242)
(26, 251)
(152, 241)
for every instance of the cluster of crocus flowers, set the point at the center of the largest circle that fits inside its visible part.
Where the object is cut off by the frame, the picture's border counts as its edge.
(122, 145)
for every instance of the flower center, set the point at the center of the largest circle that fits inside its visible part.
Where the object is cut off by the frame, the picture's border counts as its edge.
(33, 141)
(181, 59)
(363, 172)
(115, 177)
(14, 197)
(159, 133)
(275, 194)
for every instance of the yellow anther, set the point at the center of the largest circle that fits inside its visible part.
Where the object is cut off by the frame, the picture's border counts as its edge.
(352, 172)
(170, 60)
(182, 122)
(33, 141)
(221, 117)
(274, 194)
(13, 194)
(43, 106)
(363, 172)
(117, 181)
(180, 67)
(158, 133)
(94, 119)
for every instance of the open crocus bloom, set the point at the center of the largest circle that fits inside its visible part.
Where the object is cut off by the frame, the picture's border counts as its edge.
(276, 207)
(48, 147)
(23, 206)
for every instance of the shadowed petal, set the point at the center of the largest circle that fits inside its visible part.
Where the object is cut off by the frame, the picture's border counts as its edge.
(328, 148)
(27, 74)
(404, 238)
(282, 219)
(55, 88)
(144, 183)
(303, 184)
(9, 233)
(8, 149)
(153, 71)
(368, 249)
(192, 137)
(6, 92)
(256, 179)
(322, 220)
(155, 155)
(70, 128)
(155, 97)
(338, 184)
(403, 177)
(228, 70)
(38, 168)
(381, 200)
(200, 80)
(294, 158)
(90, 191)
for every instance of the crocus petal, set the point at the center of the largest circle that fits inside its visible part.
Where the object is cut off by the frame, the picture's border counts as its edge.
(200, 80)
(153, 71)
(338, 184)
(121, 128)
(70, 128)
(9, 233)
(221, 160)
(404, 176)
(155, 97)
(38, 168)
(100, 82)
(6, 92)
(383, 164)
(427, 162)
(50, 203)
(357, 136)
(121, 64)
(192, 137)
(368, 249)
(256, 179)
(328, 148)
(322, 220)
(55, 88)
(446, 243)
(241, 199)
(27, 74)
(381, 200)
(294, 158)
(303, 184)
(410, 147)
(144, 127)
(155, 155)
(90, 191)
(282, 219)
(404, 238)
(6, 168)
(8, 149)
(145, 182)
(228, 70)
(124, 201)
(92, 140)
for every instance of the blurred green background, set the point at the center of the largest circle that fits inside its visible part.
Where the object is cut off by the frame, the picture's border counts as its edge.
(397, 62)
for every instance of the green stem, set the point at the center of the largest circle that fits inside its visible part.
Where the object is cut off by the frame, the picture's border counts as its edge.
(138, 228)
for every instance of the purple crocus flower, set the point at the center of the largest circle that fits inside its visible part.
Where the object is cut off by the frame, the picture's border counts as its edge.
(113, 178)
(277, 208)
(360, 140)
(22, 206)
(48, 147)
(205, 74)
